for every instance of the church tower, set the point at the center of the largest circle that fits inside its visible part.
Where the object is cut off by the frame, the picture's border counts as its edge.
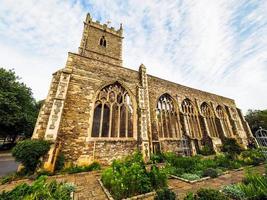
(101, 42)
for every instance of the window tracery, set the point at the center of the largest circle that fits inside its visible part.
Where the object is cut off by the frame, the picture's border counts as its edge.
(191, 120)
(167, 118)
(208, 114)
(113, 113)
(223, 117)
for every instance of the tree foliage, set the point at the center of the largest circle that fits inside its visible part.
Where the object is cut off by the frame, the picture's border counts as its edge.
(18, 108)
(257, 119)
(29, 152)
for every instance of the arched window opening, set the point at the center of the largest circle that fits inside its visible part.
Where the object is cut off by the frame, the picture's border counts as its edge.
(113, 113)
(236, 118)
(167, 118)
(210, 119)
(191, 120)
(103, 41)
(224, 120)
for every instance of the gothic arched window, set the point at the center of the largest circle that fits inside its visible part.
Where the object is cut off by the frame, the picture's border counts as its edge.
(191, 120)
(223, 117)
(103, 41)
(236, 118)
(210, 119)
(113, 113)
(167, 118)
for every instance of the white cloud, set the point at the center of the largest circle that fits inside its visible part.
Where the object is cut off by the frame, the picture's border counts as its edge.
(219, 46)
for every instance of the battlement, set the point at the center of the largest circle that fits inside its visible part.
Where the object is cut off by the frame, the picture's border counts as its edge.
(96, 24)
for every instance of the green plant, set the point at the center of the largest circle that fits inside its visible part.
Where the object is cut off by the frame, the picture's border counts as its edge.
(209, 194)
(40, 189)
(165, 194)
(60, 162)
(189, 196)
(77, 169)
(157, 158)
(231, 147)
(29, 152)
(210, 172)
(234, 192)
(207, 150)
(252, 157)
(129, 177)
(157, 177)
(190, 177)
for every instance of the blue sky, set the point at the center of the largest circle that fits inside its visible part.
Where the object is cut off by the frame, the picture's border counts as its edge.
(217, 46)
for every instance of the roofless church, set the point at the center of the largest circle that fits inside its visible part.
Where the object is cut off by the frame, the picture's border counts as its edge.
(97, 109)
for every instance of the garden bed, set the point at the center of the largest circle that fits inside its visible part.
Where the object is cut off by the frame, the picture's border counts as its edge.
(140, 196)
(208, 177)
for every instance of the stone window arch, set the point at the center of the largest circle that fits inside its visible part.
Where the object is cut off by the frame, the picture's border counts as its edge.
(191, 119)
(209, 118)
(236, 118)
(167, 117)
(113, 113)
(224, 120)
(103, 41)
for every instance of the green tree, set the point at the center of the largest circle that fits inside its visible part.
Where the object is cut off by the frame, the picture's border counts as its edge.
(18, 108)
(257, 119)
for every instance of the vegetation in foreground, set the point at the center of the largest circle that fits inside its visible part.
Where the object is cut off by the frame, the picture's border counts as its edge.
(129, 177)
(253, 187)
(196, 167)
(40, 189)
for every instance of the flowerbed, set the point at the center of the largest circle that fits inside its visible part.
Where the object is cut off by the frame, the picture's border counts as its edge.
(192, 169)
(40, 189)
(129, 177)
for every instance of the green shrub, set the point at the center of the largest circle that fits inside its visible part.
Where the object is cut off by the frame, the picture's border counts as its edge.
(210, 172)
(165, 194)
(234, 192)
(157, 158)
(129, 177)
(60, 162)
(231, 148)
(157, 177)
(29, 152)
(209, 194)
(77, 169)
(207, 150)
(190, 177)
(187, 164)
(40, 189)
(189, 196)
(252, 157)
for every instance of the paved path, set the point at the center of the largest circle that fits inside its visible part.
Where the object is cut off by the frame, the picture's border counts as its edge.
(88, 188)
(7, 164)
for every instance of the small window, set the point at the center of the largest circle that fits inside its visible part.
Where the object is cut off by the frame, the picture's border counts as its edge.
(103, 41)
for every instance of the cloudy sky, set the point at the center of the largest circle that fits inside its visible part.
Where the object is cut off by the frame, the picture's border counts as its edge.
(217, 46)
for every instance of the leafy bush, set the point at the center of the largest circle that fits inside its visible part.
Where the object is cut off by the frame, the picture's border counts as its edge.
(210, 172)
(157, 158)
(129, 177)
(165, 194)
(29, 152)
(207, 194)
(234, 192)
(60, 162)
(190, 177)
(78, 169)
(252, 157)
(157, 177)
(187, 164)
(40, 189)
(207, 150)
(231, 147)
